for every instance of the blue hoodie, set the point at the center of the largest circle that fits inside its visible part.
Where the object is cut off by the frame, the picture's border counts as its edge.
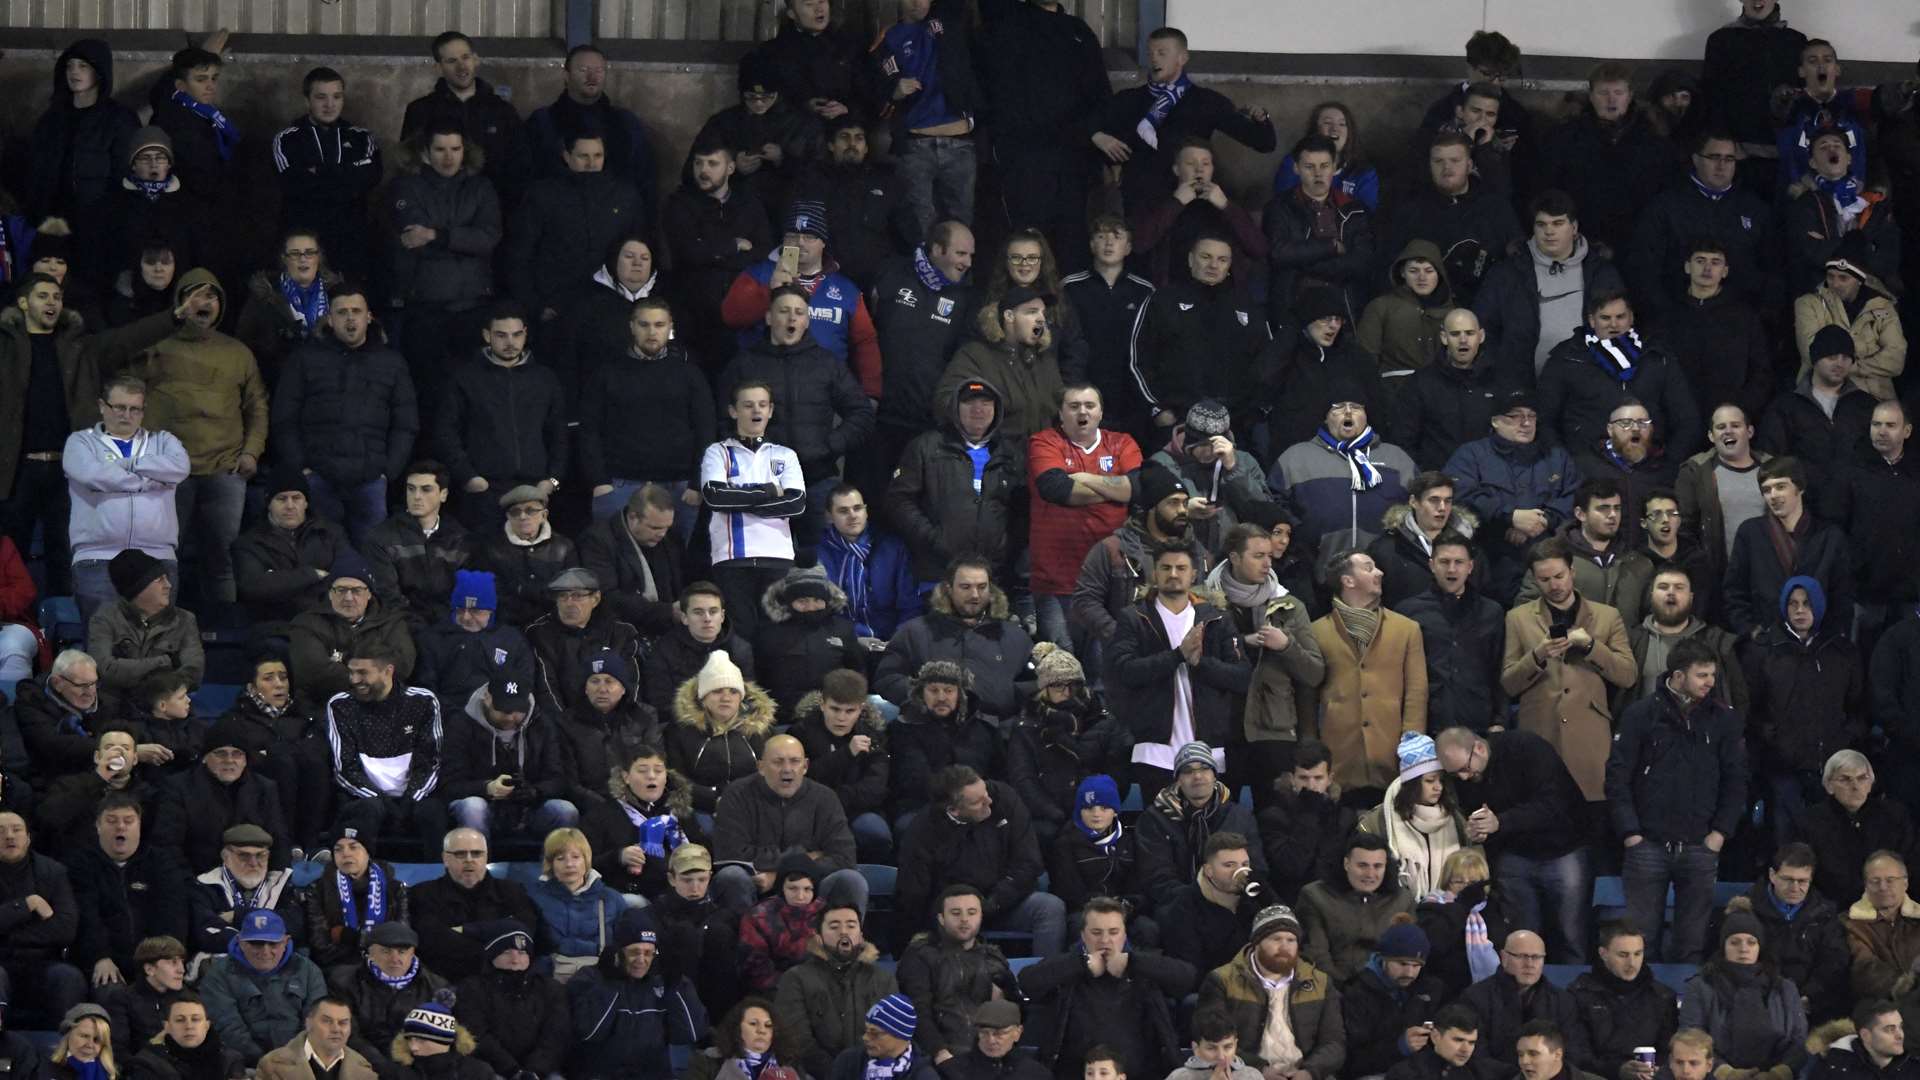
(1816, 596)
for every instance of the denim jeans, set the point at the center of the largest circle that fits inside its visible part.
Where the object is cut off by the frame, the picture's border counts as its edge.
(357, 508)
(1553, 897)
(93, 589)
(605, 506)
(1051, 611)
(18, 647)
(734, 888)
(210, 507)
(476, 812)
(872, 838)
(1647, 868)
(937, 174)
(1043, 915)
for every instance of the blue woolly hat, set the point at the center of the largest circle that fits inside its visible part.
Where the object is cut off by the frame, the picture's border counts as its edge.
(1417, 754)
(1097, 790)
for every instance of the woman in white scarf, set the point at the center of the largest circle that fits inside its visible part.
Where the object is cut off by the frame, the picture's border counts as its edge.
(1422, 823)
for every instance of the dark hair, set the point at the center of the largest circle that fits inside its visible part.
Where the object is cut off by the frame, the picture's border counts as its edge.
(1797, 853)
(1456, 1017)
(1546, 1031)
(1481, 90)
(1865, 1013)
(1712, 134)
(1672, 570)
(1106, 905)
(1688, 652)
(1554, 203)
(844, 686)
(1666, 493)
(844, 488)
(1365, 841)
(611, 253)
(1450, 138)
(1553, 547)
(1600, 298)
(371, 648)
(733, 395)
(329, 998)
(1784, 467)
(1812, 42)
(1109, 223)
(1168, 33)
(159, 685)
(349, 286)
(183, 996)
(321, 75)
(1222, 841)
(941, 234)
(726, 1033)
(1311, 754)
(710, 143)
(1450, 538)
(642, 751)
(578, 50)
(1619, 928)
(582, 131)
(948, 783)
(1424, 482)
(820, 917)
(1161, 551)
(1599, 487)
(958, 888)
(442, 475)
(186, 60)
(1103, 1052)
(503, 310)
(967, 562)
(1316, 143)
(1608, 71)
(118, 800)
(701, 588)
(1340, 563)
(448, 37)
(1705, 244)
(1214, 1023)
(1489, 50)
(40, 278)
(264, 654)
(1408, 796)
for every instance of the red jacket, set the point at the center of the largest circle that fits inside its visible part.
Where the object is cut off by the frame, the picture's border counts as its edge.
(17, 595)
(1061, 535)
(773, 938)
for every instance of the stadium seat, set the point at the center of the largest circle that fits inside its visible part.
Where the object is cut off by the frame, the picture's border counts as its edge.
(1562, 975)
(1017, 964)
(415, 873)
(881, 880)
(1130, 802)
(213, 699)
(60, 618)
(1674, 976)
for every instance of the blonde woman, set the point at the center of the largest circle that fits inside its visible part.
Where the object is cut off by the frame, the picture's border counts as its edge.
(1465, 922)
(577, 908)
(86, 1046)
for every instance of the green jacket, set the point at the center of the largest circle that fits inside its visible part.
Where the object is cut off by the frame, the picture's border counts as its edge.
(1313, 1012)
(128, 648)
(205, 388)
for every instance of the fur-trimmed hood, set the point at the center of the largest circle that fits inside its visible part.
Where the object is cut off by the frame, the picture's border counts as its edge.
(756, 711)
(941, 602)
(774, 601)
(678, 796)
(1399, 516)
(1861, 910)
(871, 723)
(463, 1044)
(14, 319)
(1833, 1035)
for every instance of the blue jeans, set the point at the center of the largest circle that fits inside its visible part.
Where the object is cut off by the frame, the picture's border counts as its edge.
(734, 889)
(476, 812)
(1043, 915)
(872, 838)
(1553, 897)
(605, 506)
(1788, 795)
(1646, 870)
(1051, 611)
(357, 508)
(18, 647)
(937, 174)
(210, 508)
(93, 589)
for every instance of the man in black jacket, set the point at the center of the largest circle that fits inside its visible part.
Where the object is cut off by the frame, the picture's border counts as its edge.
(1106, 993)
(918, 303)
(1201, 337)
(934, 501)
(1716, 334)
(1388, 1005)
(448, 911)
(328, 167)
(127, 891)
(1676, 787)
(1171, 836)
(1208, 920)
(1519, 994)
(1107, 299)
(503, 422)
(1600, 366)
(570, 633)
(873, 224)
(819, 410)
(1305, 826)
(1463, 634)
(1804, 930)
(135, 1010)
(518, 1017)
(1800, 423)
(1525, 314)
(1450, 1053)
(1318, 234)
(978, 832)
(1451, 401)
(1609, 157)
(1715, 211)
(765, 817)
(226, 789)
(1877, 503)
(567, 221)
(1815, 549)
(37, 888)
(460, 95)
(950, 974)
(646, 415)
(1622, 1005)
(415, 554)
(387, 742)
(713, 233)
(507, 766)
(639, 559)
(1473, 224)
(280, 565)
(1524, 806)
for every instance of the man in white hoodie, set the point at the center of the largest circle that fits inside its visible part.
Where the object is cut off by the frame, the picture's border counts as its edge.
(121, 480)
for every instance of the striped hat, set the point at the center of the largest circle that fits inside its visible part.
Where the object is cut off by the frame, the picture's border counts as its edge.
(431, 1021)
(894, 1014)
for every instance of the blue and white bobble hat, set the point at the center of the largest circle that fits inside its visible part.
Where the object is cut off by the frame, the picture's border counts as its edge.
(895, 1015)
(1418, 757)
(433, 1022)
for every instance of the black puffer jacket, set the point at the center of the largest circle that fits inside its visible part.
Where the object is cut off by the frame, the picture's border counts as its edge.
(1054, 747)
(1473, 232)
(1508, 305)
(456, 269)
(934, 507)
(859, 779)
(122, 905)
(1079, 870)
(1464, 638)
(78, 156)
(922, 745)
(713, 759)
(1445, 924)
(1448, 407)
(676, 657)
(645, 419)
(502, 423)
(454, 661)
(348, 414)
(521, 573)
(1621, 1015)
(1741, 221)
(1612, 170)
(379, 1010)
(793, 650)
(563, 652)
(561, 230)
(1722, 349)
(819, 410)
(330, 940)
(604, 743)
(519, 1020)
(274, 568)
(491, 122)
(414, 572)
(998, 856)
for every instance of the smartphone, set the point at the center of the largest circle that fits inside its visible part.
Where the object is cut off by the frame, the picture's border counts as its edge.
(790, 260)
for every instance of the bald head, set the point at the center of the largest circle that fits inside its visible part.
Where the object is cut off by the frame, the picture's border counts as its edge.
(1462, 337)
(783, 765)
(1524, 957)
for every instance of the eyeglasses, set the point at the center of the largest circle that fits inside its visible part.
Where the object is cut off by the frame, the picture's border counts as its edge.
(480, 853)
(303, 253)
(1630, 422)
(123, 410)
(1527, 416)
(576, 594)
(1023, 260)
(1527, 958)
(150, 157)
(349, 590)
(1663, 515)
(78, 685)
(526, 511)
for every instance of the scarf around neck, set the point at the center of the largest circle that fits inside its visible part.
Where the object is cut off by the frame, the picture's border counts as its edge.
(308, 303)
(376, 898)
(1165, 96)
(1714, 194)
(754, 1064)
(244, 899)
(273, 711)
(151, 189)
(1361, 623)
(929, 274)
(225, 136)
(1845, 193)
(1618, 357)
(1361, 471)
(656, 834)
(1103, 842)
(1252, 597)
(888, 1068)
(398, 983)
(852, 578)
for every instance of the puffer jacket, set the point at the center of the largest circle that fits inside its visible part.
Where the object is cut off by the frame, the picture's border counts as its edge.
(330, 940)
(1054, 747)
(455, 270)
(775, 936)
(1621, 1015)
(1810, 948)
(1341, 926)
(268, 325)
(1079, 870)
(563, 654)
(711, 759)
(504, 424)
(414, 572)
(519, 1020)
(77, 156)
(205, 388)
(82, 359)
(379, 1010)
(255, 1011)
(274, 568)
(1576, 394)
(995, 651)
(1313, 1012)
(453, 661)
(130, 646)
(793, 650)
(677, 657)
(825, 1002)
(933, 504)
(860, 780)
(1171, 834)
(321, 641)
(946, 984)
(1319, 486)
(645, 418)
(1708, 1003)
(1879, 342)
(1400, 551)
(576, 923)
(562, 228)
(1463, 638)
(1402, 330)
(922, 745)
(1494, 478)
(819, 409)
(1028, 379)
(348, 414)
(1508, 305)
(521, 571)
(1113, 576)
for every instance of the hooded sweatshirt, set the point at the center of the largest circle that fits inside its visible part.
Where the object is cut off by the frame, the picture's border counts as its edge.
(75, 153)
(205, 388)
(1563, 285)
(1400, 329)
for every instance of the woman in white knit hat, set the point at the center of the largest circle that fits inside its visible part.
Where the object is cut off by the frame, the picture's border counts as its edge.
(1418, 816)
(721, 722)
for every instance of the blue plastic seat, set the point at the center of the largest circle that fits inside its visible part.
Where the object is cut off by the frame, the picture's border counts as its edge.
(213, 699)
(1562, 975)
(1130, 803)
(881, 879)
(415, 873)
(1017, 964)
(60, 618)
(1674, 976)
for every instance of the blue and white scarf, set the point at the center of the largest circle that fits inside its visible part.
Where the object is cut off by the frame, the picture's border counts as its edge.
(1618, 357)
(1361, 470)
(226, 137)
(1165, 97)
(853, 571)
(244, 899)
(152, 189)
(1104, 844)
(397, 982)
(754, 1064)
(890, 1068)
(308, 304)
(929, 274)
(376, 898)
(1845, 193)
(1482, 958)
(1714, 194)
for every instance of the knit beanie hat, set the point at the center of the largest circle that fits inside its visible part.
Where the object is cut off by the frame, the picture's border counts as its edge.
(231, 730)
(1740, 919)
(1097, 790)
(288, 478)
(1194, 753)
(808, 583)
(1417, 754)
(133, 570)
(433, 1022)
(498, 936)
(807, 217)
(610, 662)
(895, 1015)
(1059, 668)
(52, 240)
(1831, 341)
(149, 138)
(349, 564)
(474, 589)
(1345, 388)
(1207, 419)
(796, 865)
(1318, 303)
(1157, 482)
(1272, 920)
(718, 673)
(1403, 940)
(757, 74)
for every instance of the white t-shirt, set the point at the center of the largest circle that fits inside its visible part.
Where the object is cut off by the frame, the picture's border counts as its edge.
(1160, 755)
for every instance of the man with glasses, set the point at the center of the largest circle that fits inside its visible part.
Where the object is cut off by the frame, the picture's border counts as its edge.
(1632, 456)
(449, 911)
(1668, 545)
(1604, 363)
(1714, 209)
(62, 715)
(1519, 994)
(996, 1052)
(1520, 487)
(1883, 927)
(120, 481)
(221, 897)
(1523, 805)
(524, 555)
(323, 639)
(1802, 924)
